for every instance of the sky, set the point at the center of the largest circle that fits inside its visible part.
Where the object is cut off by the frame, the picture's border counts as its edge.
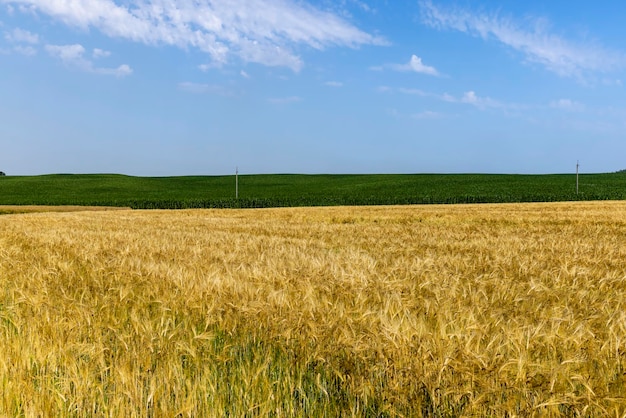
(205, 87)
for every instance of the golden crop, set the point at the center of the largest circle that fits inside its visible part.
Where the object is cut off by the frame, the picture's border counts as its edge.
(476, 310)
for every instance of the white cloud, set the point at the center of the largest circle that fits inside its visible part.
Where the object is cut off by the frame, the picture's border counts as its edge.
(121, 71)
(73, 56)
(67, 53)
(469, 97)
(333, 84)
(28, 50)
(206, 67)
(100, 53)
(567, 105)
(415, 64)
(18, 35)
(244, 74)
(533, 39)
(424, 115)
(346, 7)
(260, 31)
(284, 100)
(26, 9)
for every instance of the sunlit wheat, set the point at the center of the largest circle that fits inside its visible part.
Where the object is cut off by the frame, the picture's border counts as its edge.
(475, 310)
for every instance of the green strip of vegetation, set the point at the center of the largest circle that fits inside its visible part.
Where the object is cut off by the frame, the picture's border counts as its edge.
(260, 191)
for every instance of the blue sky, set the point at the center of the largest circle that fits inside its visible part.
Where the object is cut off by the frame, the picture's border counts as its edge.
(182, 87)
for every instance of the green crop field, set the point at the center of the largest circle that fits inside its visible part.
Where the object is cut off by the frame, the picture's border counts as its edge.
(304, 190)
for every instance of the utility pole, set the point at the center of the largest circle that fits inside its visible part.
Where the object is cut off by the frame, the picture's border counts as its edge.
(577, 165)
(236, 182)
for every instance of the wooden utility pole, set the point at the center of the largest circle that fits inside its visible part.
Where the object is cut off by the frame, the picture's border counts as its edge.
(236, 182)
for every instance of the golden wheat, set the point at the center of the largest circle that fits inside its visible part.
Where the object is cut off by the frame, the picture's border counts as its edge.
(473, 310)
(8, 209)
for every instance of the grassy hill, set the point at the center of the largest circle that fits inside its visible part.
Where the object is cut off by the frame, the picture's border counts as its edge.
(304, 190)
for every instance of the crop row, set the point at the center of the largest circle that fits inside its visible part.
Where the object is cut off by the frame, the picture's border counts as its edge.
(263, 191)
(251, 203)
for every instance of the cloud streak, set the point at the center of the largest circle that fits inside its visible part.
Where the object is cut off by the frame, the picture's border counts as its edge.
(415, 65)
(426, 115)
(257, 31)
(28, 51)
(567, 105)
(100, 53)
(469, 98)
(23, 41)
(74, 56)
(530, 37)
(18, 35)
(202, 88)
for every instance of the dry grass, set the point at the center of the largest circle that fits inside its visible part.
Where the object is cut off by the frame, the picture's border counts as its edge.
(501, 310)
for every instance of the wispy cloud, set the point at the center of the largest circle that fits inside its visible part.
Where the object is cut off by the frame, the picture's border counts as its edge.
(420, 116)
(100, 53)
(27, 50)
(469, 97)
(414, 92)
(363, 6)
(23, 41)
(207, 67)
(567, 105)
(201, 88)
(74, 56)
(427, 114)
(531, 37)
(18, 35)
(346, 7)
(333, 84)
(415, 65)
(284, 100)
(260, 31)
(484, 102)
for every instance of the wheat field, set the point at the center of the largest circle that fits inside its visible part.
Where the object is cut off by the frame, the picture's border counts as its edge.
(434, 311)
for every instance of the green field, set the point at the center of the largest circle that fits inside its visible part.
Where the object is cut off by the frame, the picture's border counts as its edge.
(304, 190)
